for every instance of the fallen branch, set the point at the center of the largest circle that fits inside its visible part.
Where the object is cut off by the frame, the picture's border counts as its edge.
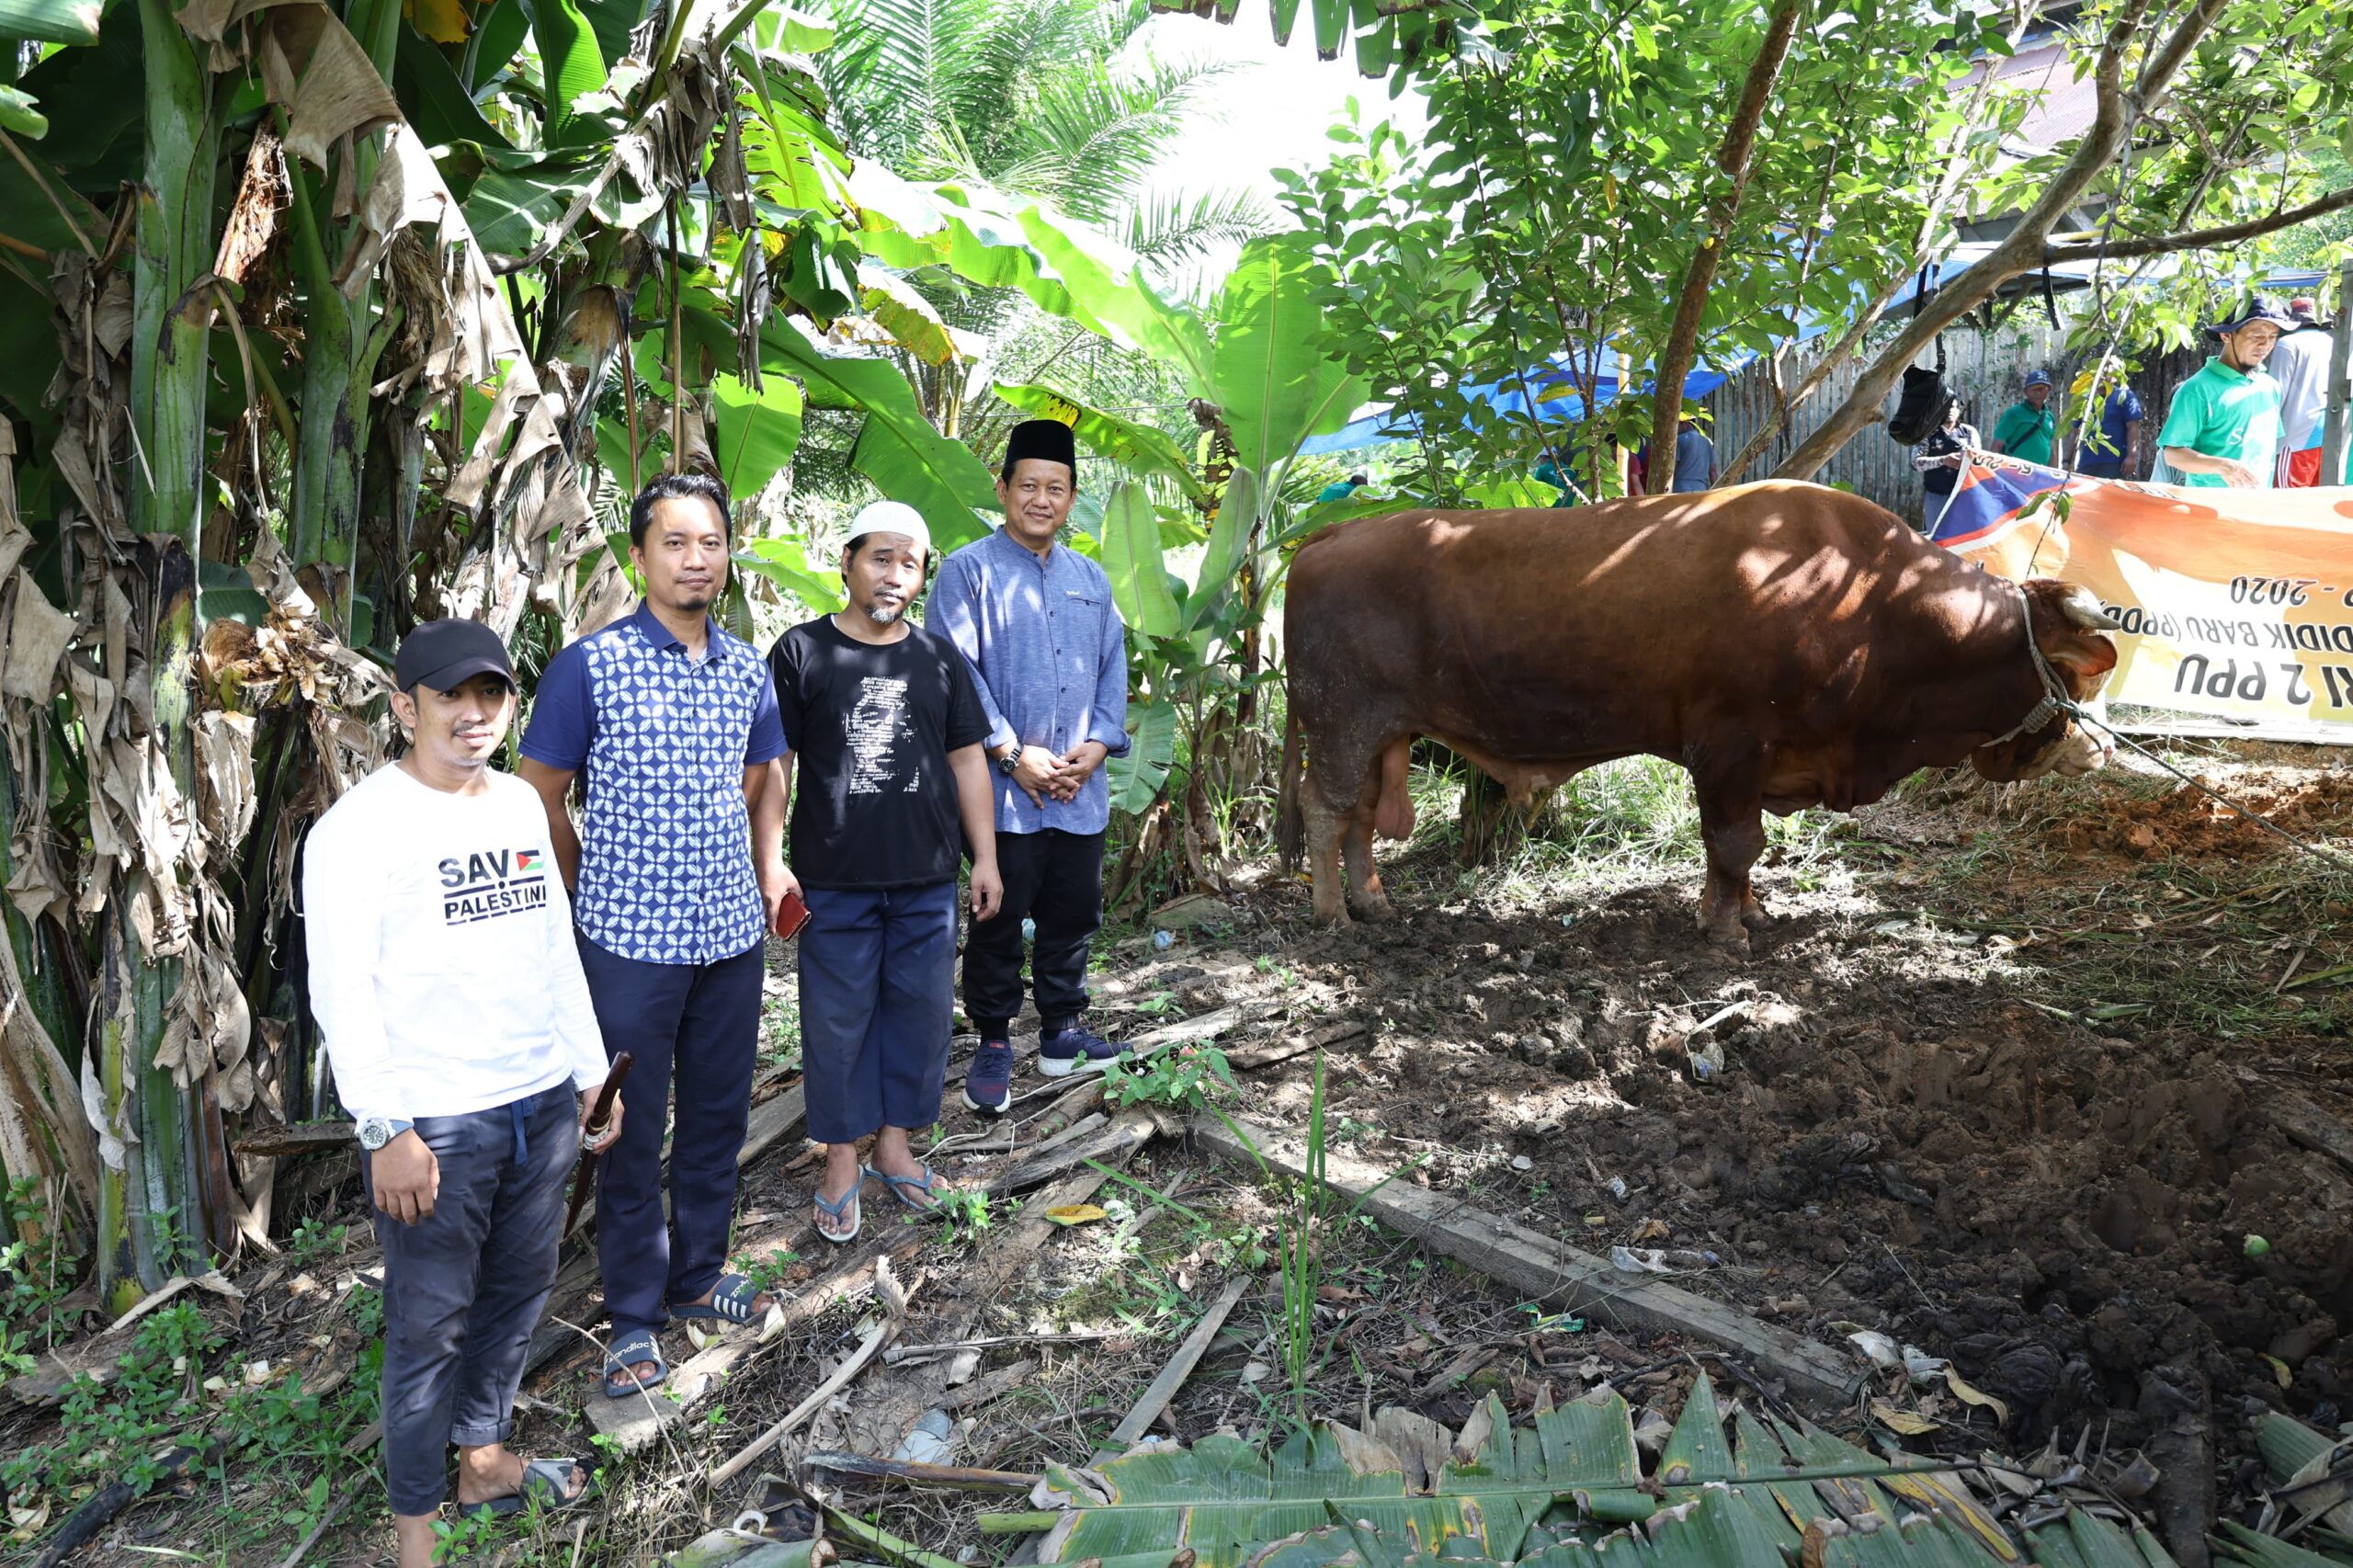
(111, 1499)
(297, 1138)
(1538, 1265)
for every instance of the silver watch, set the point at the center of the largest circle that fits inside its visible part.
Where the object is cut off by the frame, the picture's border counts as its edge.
(379, 1131)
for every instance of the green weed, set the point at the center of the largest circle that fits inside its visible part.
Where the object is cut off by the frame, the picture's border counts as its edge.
(1185, 1077)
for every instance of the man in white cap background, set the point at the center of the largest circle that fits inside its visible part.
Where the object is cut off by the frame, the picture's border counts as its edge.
(882, 719)
(2300, 365)
(2222, 427)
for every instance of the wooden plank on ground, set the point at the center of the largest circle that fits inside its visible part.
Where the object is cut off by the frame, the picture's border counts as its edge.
(2305, 1123)
(1283, 1049)
(1129, 1132)
(1544, 1268)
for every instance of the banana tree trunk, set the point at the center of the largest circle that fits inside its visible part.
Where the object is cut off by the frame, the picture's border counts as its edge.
(152, 1202)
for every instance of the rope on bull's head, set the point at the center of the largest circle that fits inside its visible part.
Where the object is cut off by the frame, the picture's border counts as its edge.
(2056, 699)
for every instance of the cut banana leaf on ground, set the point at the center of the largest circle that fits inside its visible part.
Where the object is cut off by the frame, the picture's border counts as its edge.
(1730, 1490)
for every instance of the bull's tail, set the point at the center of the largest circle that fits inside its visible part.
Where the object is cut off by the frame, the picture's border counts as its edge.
(1290, 819)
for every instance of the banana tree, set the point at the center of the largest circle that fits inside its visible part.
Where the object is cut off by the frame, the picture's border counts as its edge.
(1263, 382)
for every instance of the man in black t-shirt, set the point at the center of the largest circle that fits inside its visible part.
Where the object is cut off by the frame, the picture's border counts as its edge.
(883, 720)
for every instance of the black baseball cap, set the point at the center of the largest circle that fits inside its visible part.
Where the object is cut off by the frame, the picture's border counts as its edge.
(445, 654)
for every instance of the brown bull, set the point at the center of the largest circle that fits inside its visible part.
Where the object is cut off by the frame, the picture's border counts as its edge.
(1790, 645)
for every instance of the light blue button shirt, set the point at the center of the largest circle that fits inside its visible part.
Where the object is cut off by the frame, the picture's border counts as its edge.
(1052, 655)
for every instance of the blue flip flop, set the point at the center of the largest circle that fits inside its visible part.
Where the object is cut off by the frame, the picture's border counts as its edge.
(639, 1347)
(546, 1483)
(731, 1301)
(898, 1186)
(844, 1207)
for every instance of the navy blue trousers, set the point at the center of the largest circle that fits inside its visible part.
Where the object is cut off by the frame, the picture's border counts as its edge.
(695, 1030)
(464, 1287)
(877, 977)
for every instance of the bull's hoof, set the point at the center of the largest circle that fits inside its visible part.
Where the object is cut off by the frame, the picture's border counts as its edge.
(1724, 931)
(1335, 917)
(1371, 906)
(1752, 916)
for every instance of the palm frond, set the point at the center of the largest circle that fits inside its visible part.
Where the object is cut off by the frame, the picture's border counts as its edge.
(1171, 229)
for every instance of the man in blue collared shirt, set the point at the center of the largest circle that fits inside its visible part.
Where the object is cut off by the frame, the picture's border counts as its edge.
(677, 870)
(1037, 620)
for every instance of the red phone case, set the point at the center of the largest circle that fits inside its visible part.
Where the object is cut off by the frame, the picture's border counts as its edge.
(791, 916)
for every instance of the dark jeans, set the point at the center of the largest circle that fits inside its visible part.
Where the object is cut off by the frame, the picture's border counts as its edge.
(464, 1287)
(1056, 880)
(877, 988)
(696, 1032)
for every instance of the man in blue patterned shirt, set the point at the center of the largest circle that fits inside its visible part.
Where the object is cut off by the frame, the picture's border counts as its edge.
(1037, 620)
(672, 727)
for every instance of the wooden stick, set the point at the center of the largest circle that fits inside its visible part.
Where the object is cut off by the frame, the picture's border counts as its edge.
(896, 1302)
(807, 1407)
(955, 1478)
(1129, 1432)
(302, 1547)
(1131, 1132)
(898, 1353)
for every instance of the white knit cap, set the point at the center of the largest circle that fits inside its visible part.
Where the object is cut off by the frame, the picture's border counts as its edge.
(892, 517)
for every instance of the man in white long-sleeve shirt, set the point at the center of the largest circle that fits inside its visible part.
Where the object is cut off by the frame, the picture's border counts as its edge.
(445, 980)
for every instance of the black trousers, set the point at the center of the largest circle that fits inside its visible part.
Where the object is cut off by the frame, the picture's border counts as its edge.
(1056, 880)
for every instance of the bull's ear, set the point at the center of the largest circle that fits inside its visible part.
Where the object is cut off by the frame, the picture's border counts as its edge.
(2082, 652)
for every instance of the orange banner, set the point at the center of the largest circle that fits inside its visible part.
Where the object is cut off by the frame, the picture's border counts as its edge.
(2235, 602)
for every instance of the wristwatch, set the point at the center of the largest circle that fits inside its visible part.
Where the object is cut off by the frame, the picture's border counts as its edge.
(1010, 763)
(379, 1131)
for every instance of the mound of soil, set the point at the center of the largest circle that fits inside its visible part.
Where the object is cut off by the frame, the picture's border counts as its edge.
(2189, 824)
(1893, 1144)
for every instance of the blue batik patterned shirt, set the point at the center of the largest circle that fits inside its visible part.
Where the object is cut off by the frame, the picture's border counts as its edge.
(1052, 653)
(661, 741)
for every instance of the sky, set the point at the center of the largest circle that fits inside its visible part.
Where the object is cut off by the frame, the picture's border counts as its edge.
(1270, 111)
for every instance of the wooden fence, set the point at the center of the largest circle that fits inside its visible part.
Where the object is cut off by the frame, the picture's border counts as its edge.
(1987, 368)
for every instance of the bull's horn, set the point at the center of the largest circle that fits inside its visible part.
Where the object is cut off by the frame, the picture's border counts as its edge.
(2082, 609)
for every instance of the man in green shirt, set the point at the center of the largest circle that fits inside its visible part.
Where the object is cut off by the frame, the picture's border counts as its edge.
(2224, 426)
(2027, 426)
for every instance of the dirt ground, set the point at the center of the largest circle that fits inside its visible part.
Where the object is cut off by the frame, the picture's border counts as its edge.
(1993, 1082)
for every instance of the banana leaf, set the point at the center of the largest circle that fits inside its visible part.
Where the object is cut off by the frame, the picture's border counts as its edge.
(756, 432)
(1132, 559)
(1003, 241)
(1138, 448)
(897, 449)
(1136, 777)
(1565, 1491)
(1274, 378)
(52, 21)
(785, 563)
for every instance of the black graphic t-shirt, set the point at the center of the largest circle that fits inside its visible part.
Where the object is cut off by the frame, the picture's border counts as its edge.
(871, 728)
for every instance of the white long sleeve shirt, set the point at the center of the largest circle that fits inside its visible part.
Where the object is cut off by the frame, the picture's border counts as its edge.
(443, 973)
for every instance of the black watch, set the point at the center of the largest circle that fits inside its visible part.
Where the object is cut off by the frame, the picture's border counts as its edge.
(1010, 762)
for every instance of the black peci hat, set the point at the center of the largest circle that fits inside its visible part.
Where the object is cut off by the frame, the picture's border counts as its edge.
(1049, 440)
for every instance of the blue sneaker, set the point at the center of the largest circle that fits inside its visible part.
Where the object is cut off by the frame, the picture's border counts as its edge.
(1075, 1049)
(988, 1082)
